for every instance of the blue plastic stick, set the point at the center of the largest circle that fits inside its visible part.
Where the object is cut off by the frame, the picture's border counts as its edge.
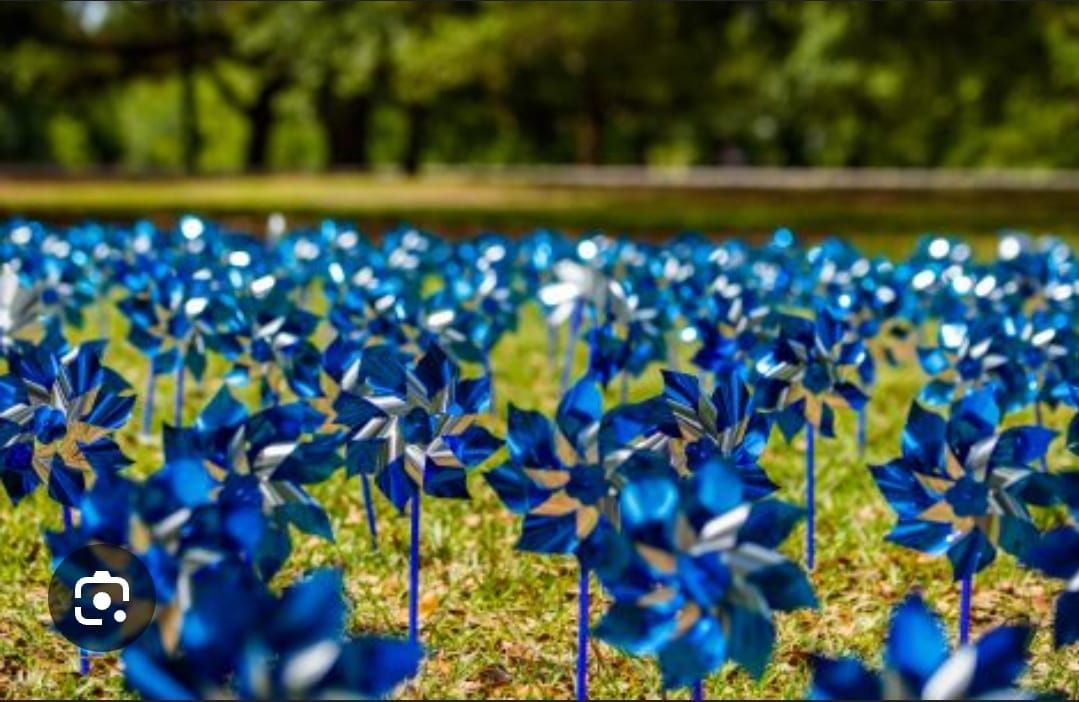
(571, 343)
(180, 394)
(492, 408)
(414, 570)
(369, 506)
(811, 490)
(862, 422)
(698, 691)
(1038, 421)
(148, 404)
(84, 658)
(672, 350)
(582, 635)
(964, 608)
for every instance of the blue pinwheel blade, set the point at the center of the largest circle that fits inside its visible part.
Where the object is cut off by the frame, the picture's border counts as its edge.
(770, 522)
(750, 639)
(693, 655)
(1001, 659)
(970, 554)
(917, 644)
(579, 412)
(1066, 619)
(549, 534)
(515, 489)
(636, 630)
(844, 679)
(372, 667)
(530, 439)
(473, 446)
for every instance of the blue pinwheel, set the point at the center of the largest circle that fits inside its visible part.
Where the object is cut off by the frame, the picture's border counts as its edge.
(633, 330)
(962, 489)
(562, 502)
(277, 349)
(578, 293)
(811, 364)
(57, 417)
(726, 426)
(219, 630)
(695, 576)
(1057, 555)
(929, 278)
(261, 461)
(23, 317)
(564, 479)
(918, 664)
(370, 303)
(871, 298)
(150, 309)
(343, 397)
(977, 352)
(560, 498)
(412, 427)
(730, 328)
(237, 639)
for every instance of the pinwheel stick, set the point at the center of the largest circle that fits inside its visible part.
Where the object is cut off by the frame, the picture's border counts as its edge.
(811, 490)
(967, 588)
(862, 422)
(148, 404)
(369, 506)
(698, 691)
(492, 404)
(180, 394)
(1038, 421)
(582, 635)
(672, 350)
(552, 344)
(414, 570)
(571, 343)
(103, 321)
(84, 657)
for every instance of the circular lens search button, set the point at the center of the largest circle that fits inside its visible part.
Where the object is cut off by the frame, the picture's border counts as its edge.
(101, 597)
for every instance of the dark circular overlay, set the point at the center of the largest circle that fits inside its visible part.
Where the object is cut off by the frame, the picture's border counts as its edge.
(101, 597)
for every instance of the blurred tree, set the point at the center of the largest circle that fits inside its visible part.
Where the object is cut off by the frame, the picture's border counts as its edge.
(771, 84)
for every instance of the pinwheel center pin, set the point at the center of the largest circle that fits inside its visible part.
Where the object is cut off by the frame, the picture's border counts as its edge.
(50, 424)
(418, 427)
(968, 497)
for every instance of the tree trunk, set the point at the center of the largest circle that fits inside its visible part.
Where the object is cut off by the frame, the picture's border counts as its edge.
(260, 119)
(189, 116)
(347, 123)
(593, 122)
(417, 138)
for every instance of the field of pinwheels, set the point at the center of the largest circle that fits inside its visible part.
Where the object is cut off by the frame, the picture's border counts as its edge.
(544, 465)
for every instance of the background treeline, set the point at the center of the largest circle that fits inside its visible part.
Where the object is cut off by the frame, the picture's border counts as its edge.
(222, 87)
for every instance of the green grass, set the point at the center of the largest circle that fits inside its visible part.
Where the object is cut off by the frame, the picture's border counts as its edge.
(501, 624)
(458, 203)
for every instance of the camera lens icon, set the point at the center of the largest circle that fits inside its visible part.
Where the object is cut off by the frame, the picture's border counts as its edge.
(101, 597)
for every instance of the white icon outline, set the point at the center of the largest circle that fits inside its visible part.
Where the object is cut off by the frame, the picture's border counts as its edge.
(101, 577)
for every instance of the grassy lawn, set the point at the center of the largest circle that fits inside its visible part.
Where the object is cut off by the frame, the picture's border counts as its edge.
(502, 624)
(461, 204)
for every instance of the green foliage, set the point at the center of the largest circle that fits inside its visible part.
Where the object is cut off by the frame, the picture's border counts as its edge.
(336, 84)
